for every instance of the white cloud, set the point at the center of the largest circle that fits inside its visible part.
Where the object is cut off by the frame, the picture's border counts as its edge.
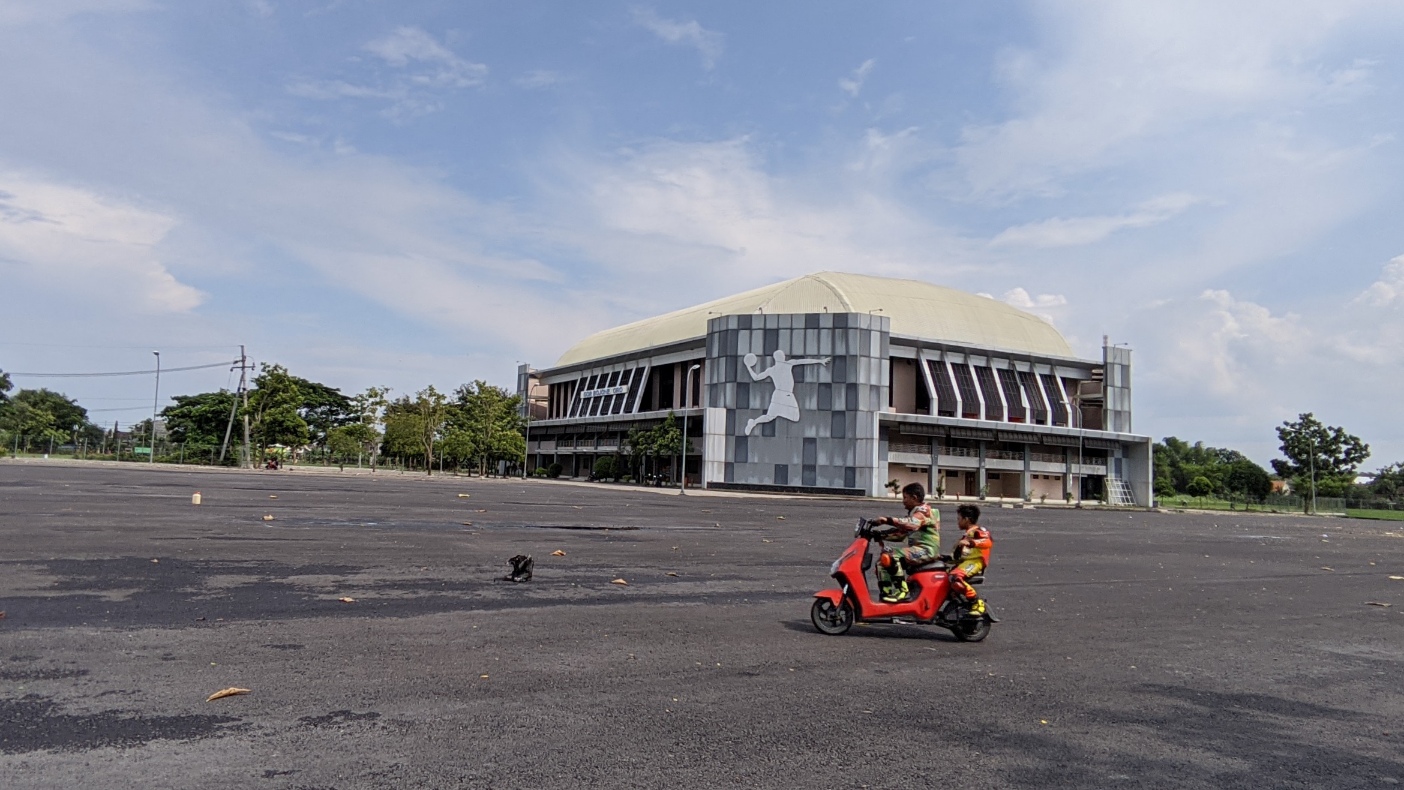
(538, 79)
(1117, 75)
(19, 12)
(424, 71)
(853, 84)
(68, 240)
(1078, 231)
(408, 47)
(1389, 289)
(709, 44)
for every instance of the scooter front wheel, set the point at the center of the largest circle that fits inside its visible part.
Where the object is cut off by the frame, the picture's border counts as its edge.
(830, 618)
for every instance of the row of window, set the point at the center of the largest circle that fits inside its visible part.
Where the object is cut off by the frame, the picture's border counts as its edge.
(979, 392)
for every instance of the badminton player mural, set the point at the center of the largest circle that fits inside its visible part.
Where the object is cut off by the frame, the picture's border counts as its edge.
(782, 375)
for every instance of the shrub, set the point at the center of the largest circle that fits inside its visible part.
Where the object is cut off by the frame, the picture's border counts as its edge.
(604, 467)
(1200, 487)
(554, 470)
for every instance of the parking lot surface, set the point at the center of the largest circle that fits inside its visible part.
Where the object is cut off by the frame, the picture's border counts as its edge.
(1136, 649)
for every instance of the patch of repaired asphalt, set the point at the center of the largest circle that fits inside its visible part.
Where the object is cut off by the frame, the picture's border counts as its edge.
(33, 723)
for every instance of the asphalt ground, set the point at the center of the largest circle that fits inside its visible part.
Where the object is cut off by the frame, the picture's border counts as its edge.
(1135, 649)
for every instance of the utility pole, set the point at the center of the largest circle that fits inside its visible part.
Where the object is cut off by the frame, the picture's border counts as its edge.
(155, 403)
(234, 406)
(248, 457)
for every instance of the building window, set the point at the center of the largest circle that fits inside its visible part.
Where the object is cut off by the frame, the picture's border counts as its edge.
(1035, 395)
(969, 396)
(1055, 398)
(1009, 383)
(945, 390)
(993, 408)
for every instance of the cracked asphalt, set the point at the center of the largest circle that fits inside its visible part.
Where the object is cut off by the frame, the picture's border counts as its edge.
(1135, 649)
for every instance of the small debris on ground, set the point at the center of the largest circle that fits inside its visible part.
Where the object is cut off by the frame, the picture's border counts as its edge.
(672, 573)
(268, 517)
(2, 615)
(155, 560)
(464, 496)
(467, 523)
(1324, 568)
(232, 691)
(619, 582)
(484, 677)
(1378, 603)
(558, 553)
(346, 599)
(1398, 578)
(765, 540)
(779, 518)
(272, 496)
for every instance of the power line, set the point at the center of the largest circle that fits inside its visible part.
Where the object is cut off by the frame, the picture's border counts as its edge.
(123, 373)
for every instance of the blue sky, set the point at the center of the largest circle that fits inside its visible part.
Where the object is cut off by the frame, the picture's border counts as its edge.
(401, 193)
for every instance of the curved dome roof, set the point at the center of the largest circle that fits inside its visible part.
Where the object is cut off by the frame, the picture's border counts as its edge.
(915, 309)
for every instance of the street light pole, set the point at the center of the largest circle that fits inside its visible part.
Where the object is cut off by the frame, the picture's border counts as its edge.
(1313, 475)
(526, 437)
(155, 403)
(687, 395)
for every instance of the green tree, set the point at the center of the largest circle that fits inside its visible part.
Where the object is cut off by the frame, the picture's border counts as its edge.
(353, 439)
(5, 387)
(273, 408)
(1316, 453)
(369, 407)
(199, 419)
(1246, 478)
(1388, 482)
(402, 428)
(604, 468)
(488, 420)
(667, 439)
(1200, 487)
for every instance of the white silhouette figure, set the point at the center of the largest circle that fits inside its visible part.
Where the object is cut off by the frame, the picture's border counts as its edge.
(781, 374)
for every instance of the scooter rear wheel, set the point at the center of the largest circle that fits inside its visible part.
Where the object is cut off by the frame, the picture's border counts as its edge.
(831, 619)
(971, 629)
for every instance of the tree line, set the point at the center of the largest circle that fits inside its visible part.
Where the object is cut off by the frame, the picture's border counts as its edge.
(478, 426)
(1316, 457)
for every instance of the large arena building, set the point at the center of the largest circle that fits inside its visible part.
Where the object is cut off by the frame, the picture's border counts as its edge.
(841, 383)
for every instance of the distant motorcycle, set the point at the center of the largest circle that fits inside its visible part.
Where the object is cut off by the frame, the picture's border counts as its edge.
(929, 601)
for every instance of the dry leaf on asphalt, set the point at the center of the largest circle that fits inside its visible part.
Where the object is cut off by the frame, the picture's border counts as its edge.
(347, 599)
(558, 553)
(268, 517)
(229, 692)
(619, 581)
(1324, 568)
(1378, 603)
(670, 573)
(272, 496)
(464, 496)
(467, 523)
(779, 518)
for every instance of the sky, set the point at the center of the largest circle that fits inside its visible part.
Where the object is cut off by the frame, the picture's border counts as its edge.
(407, 192)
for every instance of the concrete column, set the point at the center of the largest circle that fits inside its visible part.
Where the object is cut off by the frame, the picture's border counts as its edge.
(1024, 481)
(1068, 472)
(980, 480)
(933, 478)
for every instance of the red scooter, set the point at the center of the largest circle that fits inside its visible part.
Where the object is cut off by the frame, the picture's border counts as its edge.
(929, 601)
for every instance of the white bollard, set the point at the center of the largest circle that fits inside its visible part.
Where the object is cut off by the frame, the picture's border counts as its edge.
(195, 498)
